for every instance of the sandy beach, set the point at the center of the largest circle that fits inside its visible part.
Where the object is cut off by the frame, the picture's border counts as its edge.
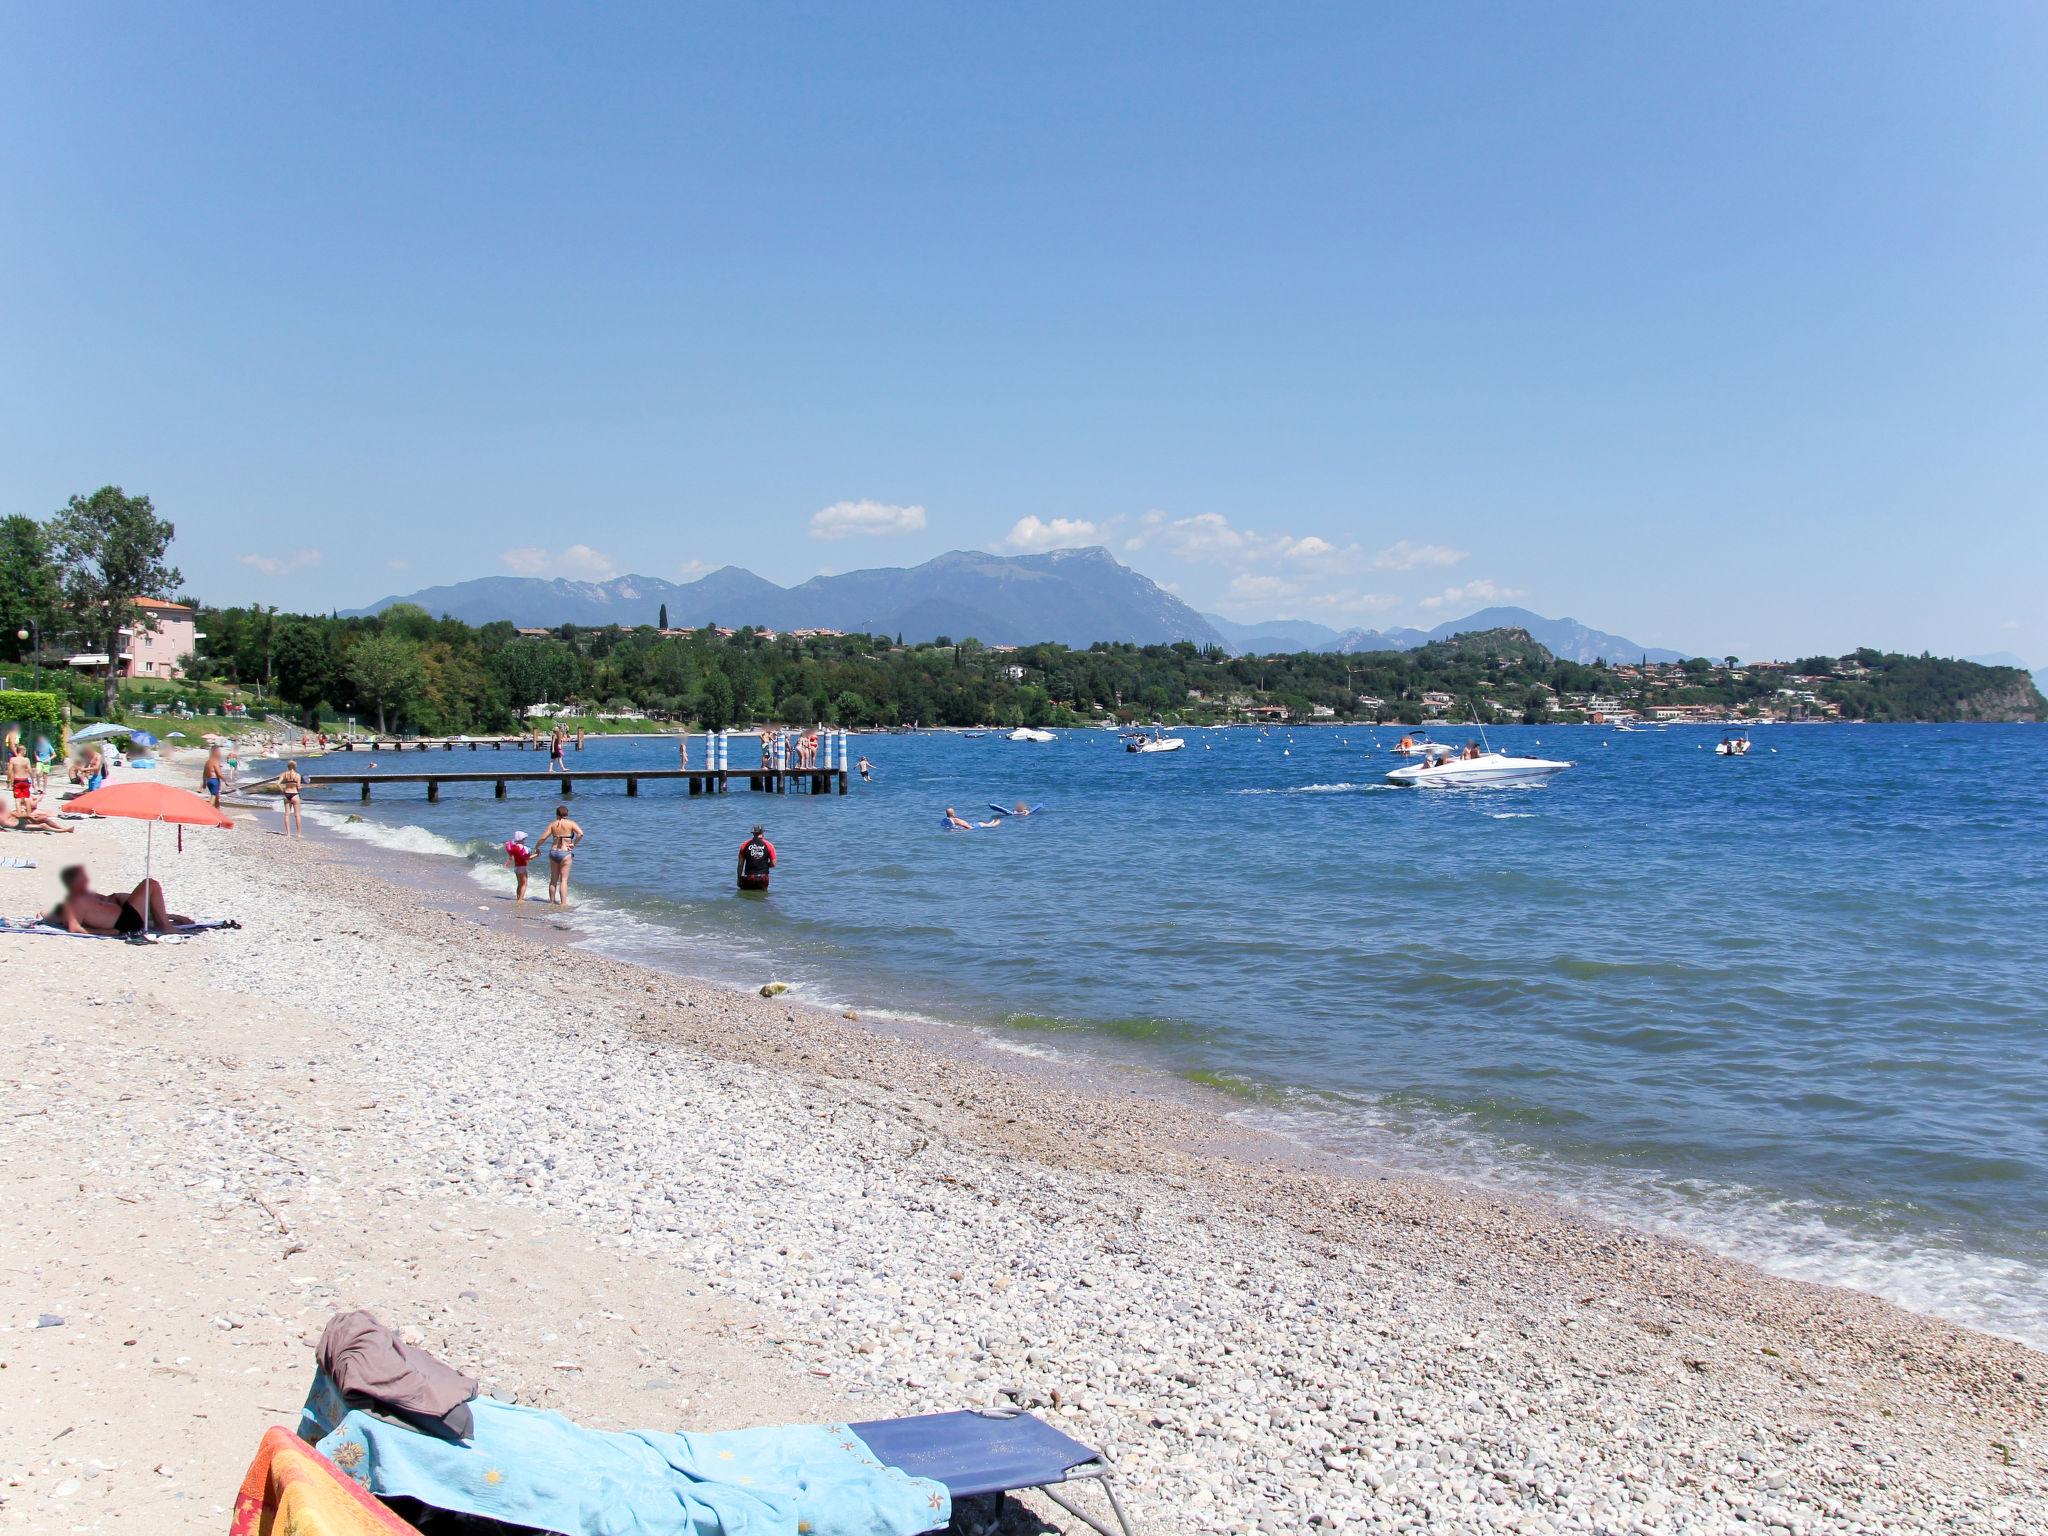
(647, 1200)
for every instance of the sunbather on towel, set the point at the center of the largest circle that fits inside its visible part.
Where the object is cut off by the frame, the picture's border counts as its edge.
(85, 910)
(34, 817)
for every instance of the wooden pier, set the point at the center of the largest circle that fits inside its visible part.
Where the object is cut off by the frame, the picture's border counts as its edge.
(701, 781)
(448, 744)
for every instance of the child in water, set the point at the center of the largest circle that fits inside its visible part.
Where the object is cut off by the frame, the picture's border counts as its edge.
(519, 854)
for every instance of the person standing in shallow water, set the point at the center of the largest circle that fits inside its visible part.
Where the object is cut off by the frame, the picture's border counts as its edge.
(757, 861)
(562, 838)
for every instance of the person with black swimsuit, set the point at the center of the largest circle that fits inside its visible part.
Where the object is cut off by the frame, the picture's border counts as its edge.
(85, 910)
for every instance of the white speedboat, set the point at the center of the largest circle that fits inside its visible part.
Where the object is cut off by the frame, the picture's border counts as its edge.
(1156, 742)
(1734, 744)
(1026, 733)
(1487, 769)
(1418, 744)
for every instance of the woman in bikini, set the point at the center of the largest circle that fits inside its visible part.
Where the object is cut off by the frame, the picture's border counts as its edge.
(562, 837)
(289, 784)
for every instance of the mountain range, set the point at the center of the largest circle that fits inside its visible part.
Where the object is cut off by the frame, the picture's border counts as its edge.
(1567, 638)
(1072, 596)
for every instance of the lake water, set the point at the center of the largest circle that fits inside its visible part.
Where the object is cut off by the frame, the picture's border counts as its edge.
(1790, 1006)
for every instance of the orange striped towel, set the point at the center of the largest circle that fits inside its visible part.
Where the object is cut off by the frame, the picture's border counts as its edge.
(290, 1487)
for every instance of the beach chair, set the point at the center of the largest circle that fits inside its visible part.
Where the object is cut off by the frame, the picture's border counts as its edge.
(982, 1454)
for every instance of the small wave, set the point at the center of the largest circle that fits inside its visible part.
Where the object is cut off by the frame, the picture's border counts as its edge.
(402, 838)
(1317, 789)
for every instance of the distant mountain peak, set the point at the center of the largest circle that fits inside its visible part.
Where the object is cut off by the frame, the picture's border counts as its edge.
(1073, 596)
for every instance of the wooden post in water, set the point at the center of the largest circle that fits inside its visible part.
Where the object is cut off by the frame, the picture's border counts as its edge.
(433, 790)
(499, 789)
(366, 791)
(568, 788)
(632, 788)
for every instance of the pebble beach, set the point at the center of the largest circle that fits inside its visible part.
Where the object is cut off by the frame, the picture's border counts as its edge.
(645, 1199)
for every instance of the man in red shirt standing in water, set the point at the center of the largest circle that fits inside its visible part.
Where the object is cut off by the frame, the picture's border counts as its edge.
(757, 859)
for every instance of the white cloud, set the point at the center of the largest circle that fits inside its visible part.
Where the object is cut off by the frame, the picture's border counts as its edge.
(282, 565)
(396, 564)
(1351, 604)
(579, 562)
(1058, 533)
(1405, 556)
(691, 568)
(873, 519)
(1248, 588)
(1210, 538)
(1484, 590)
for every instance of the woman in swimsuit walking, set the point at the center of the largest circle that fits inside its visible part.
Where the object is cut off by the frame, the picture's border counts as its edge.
(289, 784)
(563, 837)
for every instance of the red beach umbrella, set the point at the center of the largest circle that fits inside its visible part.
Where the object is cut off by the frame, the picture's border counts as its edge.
(146, 800)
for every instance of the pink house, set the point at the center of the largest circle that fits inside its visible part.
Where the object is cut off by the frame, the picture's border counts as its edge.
(159, 652)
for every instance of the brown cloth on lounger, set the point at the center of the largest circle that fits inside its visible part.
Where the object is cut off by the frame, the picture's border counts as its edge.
(365, 1359)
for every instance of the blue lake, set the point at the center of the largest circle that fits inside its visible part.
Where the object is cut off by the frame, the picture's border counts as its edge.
(1790, 1006)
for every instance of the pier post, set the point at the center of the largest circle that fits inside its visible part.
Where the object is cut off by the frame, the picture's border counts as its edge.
(499, 789)
(842, 777)
(366, 791)
(568, 787)
(433, 790)
(632, 788)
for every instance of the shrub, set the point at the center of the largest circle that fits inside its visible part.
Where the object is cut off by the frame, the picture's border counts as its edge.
(32, 711)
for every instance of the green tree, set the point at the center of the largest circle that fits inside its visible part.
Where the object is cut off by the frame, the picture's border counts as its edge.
(385, 670)
(664, 617)
(305, 665)
(28, 583)
(715, 703)
(109, 550)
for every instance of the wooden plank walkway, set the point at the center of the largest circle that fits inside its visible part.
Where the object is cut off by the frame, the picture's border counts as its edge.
(447, 744)
(701, 781)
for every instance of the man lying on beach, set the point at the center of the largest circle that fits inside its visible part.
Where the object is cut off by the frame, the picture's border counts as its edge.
(33, 817)
(85, 910)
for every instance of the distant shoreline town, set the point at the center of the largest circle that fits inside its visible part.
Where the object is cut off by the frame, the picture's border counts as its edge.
(404, 671)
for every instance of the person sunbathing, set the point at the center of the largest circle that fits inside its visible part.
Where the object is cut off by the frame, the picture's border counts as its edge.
(85, 910)
(33, 817)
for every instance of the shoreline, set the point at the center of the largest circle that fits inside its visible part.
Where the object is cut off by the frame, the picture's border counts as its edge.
(1274, 1119)
(1262, 1344)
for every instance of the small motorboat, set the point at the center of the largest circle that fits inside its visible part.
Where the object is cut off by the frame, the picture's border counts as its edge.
(1733, 744)
(1138, 741)
(1488, 769)
(1026, 733)
(1418, 744)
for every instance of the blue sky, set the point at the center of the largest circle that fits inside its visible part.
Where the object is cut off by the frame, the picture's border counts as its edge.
(1724, 327)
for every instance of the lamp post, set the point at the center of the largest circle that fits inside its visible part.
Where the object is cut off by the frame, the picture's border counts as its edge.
(34, 633)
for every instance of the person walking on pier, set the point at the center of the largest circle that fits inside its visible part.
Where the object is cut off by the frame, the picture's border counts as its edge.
(558, 744)
(683, 749)
(563, 838)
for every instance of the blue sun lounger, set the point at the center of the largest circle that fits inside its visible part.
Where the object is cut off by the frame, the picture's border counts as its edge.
(983, 1454)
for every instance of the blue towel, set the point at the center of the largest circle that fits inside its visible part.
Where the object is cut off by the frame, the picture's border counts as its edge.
(538, 1469)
